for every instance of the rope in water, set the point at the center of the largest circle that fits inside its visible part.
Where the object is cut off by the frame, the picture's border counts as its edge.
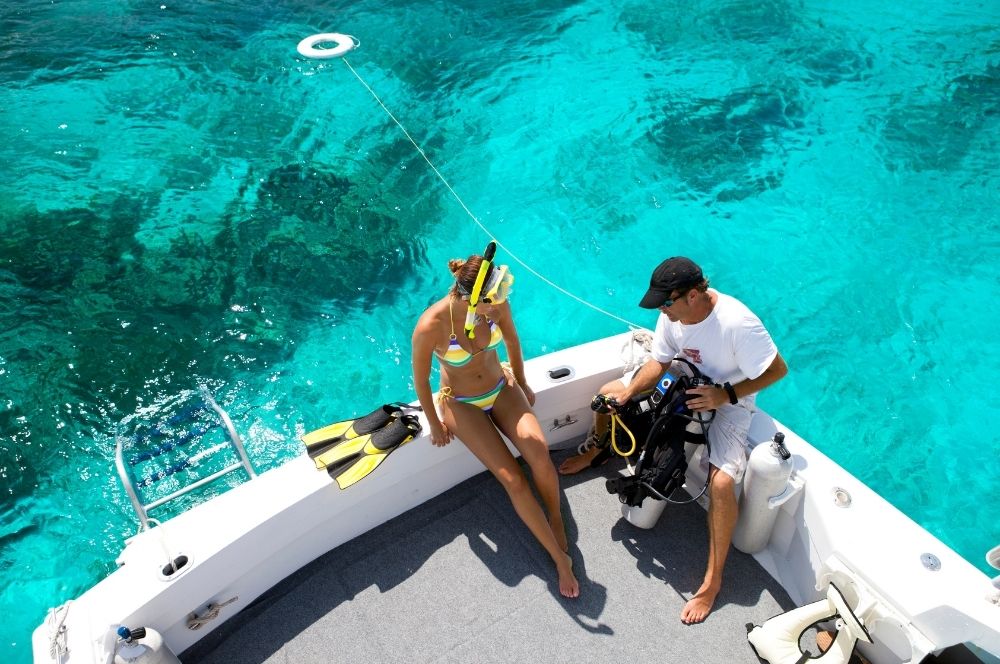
(469, 212)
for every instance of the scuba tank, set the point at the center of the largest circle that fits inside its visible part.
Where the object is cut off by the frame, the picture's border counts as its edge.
(768, 471)
(142, 645)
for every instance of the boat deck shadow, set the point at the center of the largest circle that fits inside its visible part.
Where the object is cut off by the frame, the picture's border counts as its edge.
(460, 579)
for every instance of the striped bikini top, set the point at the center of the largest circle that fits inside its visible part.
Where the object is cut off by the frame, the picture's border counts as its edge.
(457, 356)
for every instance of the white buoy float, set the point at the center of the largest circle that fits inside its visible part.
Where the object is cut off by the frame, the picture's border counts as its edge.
(343, 44)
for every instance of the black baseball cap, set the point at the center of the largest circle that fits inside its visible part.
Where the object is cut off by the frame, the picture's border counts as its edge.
(675, 273)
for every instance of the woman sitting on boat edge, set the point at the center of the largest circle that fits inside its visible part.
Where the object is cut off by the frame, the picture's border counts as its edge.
(479, 396)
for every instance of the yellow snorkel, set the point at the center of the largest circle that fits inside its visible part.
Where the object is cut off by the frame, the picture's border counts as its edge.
(484, 272)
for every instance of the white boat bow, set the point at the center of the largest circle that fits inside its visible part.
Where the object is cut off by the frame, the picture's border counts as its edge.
(915, 595)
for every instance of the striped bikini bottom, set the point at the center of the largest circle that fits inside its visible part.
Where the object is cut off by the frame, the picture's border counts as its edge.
(482, 401)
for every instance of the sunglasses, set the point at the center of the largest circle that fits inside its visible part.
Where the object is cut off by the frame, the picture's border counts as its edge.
(669, 302)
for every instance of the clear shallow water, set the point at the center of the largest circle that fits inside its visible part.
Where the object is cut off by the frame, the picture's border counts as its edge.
(184, 199)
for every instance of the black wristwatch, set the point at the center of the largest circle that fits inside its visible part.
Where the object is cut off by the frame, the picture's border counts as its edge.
(731, 392)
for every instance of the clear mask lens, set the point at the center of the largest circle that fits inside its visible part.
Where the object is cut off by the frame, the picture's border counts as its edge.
(496, 290)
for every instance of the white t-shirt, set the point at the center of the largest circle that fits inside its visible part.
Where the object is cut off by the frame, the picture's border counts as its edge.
(729, 346)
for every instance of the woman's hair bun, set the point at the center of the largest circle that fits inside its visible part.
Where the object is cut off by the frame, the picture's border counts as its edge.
(455, 264)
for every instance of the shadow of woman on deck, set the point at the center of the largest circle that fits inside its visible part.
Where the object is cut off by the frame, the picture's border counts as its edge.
(378, 596)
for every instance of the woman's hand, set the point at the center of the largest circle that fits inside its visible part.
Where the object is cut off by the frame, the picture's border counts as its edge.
(508, 373)
(440, 436)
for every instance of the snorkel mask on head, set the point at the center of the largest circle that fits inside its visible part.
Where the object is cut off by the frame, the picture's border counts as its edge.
(497, 286)
(492, 286)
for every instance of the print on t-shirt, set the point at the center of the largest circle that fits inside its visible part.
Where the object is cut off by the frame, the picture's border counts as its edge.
(693, 354)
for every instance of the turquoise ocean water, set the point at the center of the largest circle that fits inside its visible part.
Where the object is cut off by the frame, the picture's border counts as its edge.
(184, 200)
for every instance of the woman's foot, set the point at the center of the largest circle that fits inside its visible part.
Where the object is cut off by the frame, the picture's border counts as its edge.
(568, 585)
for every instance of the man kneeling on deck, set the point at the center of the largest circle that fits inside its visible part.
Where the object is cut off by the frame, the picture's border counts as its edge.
(728, 342)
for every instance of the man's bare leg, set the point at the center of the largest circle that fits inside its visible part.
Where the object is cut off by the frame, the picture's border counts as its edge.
(722, 514)
(602, 421)
(578, 462)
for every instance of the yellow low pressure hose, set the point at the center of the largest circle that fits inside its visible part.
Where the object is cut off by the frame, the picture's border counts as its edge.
(616, 420)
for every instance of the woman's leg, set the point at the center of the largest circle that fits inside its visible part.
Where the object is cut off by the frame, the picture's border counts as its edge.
(475, 428)
(514, 417)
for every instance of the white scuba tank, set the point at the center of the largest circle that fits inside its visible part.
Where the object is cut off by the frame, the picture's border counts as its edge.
(768, 471)
(143, 645)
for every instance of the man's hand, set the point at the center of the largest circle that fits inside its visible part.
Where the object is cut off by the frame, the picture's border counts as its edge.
(706, 398)
(621, 397)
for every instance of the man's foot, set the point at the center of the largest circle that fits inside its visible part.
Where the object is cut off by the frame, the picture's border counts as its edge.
(575, 464)
(699, 606)
(559, 530)
(568, 585)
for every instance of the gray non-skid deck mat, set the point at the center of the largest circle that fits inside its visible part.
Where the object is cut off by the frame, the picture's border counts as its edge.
(461, 579)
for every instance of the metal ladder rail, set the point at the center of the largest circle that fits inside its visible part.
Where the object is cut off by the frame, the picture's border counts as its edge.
(128, 480)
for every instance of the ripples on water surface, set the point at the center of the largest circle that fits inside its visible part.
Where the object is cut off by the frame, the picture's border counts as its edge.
(183, 199)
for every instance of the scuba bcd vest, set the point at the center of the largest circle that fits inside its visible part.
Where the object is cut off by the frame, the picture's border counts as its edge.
(662, 418)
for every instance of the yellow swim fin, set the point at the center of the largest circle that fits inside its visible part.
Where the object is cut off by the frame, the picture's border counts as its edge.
(323, 439)
(353, 460)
